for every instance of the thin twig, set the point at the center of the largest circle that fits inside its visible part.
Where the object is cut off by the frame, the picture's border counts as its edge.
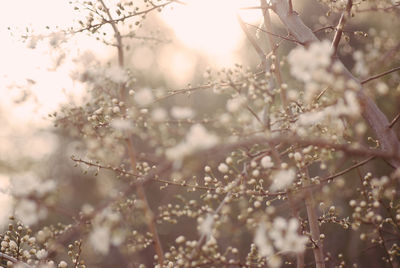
(380, 75)
(134, 14)
(397, 117)
(273, 34)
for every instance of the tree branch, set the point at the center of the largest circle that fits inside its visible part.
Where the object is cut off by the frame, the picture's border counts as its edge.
(9, 258)
(277, 69)
(253, 42)
(370, 111)
(339, 29)
(380, 75)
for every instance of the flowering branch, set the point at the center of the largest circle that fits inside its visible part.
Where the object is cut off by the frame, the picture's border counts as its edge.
(370, 111)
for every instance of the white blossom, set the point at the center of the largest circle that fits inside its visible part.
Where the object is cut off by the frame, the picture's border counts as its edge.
(116, 74)
(262, 242)
(205, 227)
(198, 138)
(122, 124)
(360, 66)
(304, 62)
(347, 106)
(25, 184)
(62, 264)
(100, 238)
(41, 254)
(285, 235)
(281, 179)
(116, 109)
(182, 112)
(13, 244)
(144, 96)
(233, 105)
(223, 168)
(266, 162)
(28, 212)
(159, 114)
(180, 239)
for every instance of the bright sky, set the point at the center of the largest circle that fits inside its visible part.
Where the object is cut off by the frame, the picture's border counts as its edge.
(211, 26)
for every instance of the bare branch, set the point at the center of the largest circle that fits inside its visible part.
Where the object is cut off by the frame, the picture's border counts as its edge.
(254, 43)
(380, 75)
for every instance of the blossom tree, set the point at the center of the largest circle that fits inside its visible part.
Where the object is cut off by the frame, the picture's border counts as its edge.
(292, 152)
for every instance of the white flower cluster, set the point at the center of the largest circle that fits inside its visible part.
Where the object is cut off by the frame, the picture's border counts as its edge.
(282, 179)
(234, 105)
(198, 138)
(182, 112)
(281, 235)
(307, 64)
(116, 74)
(25, 186)
(102, 235)
(100, 238)
(29, 212)
(310, 65)
(331, 116)
(266, 162)
(205, 225)
(28, 184)
(144, 96)
(360, 67)
(285, 235)
(122, 124)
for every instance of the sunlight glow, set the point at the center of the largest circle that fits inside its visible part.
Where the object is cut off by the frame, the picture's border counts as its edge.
(210, 26)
